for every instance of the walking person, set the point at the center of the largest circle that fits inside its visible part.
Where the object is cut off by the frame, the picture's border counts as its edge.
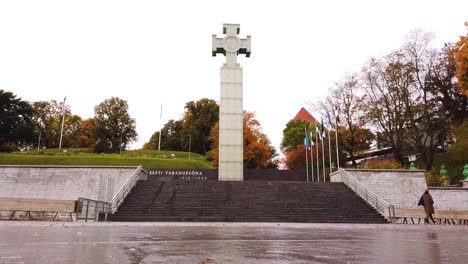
(428, 203)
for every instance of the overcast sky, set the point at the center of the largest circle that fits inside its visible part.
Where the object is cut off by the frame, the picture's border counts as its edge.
(159, 52)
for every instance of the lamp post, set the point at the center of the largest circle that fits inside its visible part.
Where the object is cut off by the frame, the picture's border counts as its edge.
(63, 122)
(465, 172)
(189, 145)
(120, 152)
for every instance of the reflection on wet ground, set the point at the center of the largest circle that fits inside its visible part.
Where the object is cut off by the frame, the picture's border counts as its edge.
(45, 242)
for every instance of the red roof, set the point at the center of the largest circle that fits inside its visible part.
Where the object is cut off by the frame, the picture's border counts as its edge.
(304, 115)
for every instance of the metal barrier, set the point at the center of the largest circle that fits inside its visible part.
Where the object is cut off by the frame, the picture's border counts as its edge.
(90, 209)
(125, 189)
(387, 210)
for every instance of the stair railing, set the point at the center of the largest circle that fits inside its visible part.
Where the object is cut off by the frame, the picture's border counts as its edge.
(386, 209)
(119, 197)
(89, 209)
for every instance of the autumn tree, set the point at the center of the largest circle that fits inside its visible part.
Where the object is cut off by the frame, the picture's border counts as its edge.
(293, 135)
(199, 118)
(171, 137)
(355, 140)
(258, 151)
(345, 102)
(15, 122)
(425, 117)
(461, 57)
(404, 94)
(85, 136)
(295, 159)
(385, 82)
(195, 126)
(71, 131)
(47, 120)
(153, 142)
(349, 100)
(443, 85)
(114, 128)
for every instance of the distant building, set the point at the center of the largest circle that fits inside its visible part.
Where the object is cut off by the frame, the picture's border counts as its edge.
(304, 115)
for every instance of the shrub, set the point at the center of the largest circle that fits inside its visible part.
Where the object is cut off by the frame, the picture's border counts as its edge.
(435, 180)
(383, 164)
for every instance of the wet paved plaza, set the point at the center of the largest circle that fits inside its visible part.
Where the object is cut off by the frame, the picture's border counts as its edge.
(48, 242)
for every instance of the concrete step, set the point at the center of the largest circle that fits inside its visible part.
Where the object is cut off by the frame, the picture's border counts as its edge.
(248, 201)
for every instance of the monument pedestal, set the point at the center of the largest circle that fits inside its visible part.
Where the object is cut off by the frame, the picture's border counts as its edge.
(231, 145)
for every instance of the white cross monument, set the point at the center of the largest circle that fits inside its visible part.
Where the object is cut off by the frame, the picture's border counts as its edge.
(231, 147)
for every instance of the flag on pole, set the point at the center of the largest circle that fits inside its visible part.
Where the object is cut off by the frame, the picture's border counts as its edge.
(306, 140)
(329, 119)
(317, 131)
(337, 115)
(322, 128)
(311, 135)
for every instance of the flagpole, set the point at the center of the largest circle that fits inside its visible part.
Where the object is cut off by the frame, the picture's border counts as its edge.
(39, 142)
(317, 150)
(312, 154)
(160, 128)
(337, 157)
(63, 121)
(307, 159)
(323, 161)
(329, 151)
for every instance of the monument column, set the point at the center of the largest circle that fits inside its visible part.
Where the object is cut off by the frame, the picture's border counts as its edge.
(231, 146)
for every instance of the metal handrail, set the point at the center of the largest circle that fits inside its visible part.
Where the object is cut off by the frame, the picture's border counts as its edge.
(125, 189)
(84, 206)
(382, 206)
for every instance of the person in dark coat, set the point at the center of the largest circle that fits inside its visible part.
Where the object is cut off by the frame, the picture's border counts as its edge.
(428, 203)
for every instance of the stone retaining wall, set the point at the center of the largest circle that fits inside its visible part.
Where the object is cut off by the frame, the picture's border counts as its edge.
(403, 188)
(450, 198)
(62, 182)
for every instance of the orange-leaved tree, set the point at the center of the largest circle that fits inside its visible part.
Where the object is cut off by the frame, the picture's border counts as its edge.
(258, 152)
(461, 58)
(295, 159)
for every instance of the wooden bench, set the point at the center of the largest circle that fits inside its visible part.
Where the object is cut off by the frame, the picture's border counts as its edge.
(38, 205)
(441, 216)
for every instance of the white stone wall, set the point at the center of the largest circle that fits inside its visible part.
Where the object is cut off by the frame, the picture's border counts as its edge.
(450, 198)
(402, 188)
(335, 177)
(62, 182)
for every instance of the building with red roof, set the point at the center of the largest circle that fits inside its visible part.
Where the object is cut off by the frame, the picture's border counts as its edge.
(304, 115)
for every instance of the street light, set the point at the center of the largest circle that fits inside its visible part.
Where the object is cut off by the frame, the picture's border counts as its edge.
(189, 145)
(121, 132)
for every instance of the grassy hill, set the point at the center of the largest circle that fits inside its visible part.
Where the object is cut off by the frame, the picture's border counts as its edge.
(147, 158)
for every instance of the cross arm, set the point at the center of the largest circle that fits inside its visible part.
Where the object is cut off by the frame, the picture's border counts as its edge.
(217, 46)
(245, 47)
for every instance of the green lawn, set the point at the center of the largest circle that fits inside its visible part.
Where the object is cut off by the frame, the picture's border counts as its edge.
(147, 158)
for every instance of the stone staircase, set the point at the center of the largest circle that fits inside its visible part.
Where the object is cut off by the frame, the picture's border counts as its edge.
(247, 201)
